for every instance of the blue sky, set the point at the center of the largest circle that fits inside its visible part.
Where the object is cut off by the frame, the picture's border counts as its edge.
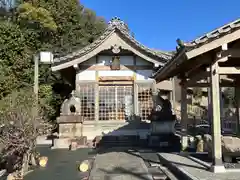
(158, 23)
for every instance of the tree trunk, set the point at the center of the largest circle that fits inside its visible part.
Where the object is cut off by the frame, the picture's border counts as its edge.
(25, 163)
(33, 160)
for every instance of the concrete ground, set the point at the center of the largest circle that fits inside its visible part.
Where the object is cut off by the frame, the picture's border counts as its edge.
(119, 165)
(62, 164)
(193, 170)
(110, 164)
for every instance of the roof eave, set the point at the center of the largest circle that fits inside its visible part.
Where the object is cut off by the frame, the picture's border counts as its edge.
(164, 72)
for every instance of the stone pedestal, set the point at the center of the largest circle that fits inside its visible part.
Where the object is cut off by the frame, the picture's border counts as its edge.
(61, 143)
(218, 169)
(70, 128)
(162, 127)
(163, 135)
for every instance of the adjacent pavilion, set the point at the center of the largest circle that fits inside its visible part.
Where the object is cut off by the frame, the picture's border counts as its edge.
(213, 61)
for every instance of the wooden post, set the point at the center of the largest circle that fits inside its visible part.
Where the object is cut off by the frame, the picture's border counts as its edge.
(221, 104)
(209, 105)
(184, 115)
(217, 166)
(96, 110)
(135, 91)
(237, 100)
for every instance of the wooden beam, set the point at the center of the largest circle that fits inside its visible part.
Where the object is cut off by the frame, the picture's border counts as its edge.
(116, 82)
(116, 78)
(122, 67)
(228, 70)
(234, 53)
(200, 76)
(202, 85)
(214, 44)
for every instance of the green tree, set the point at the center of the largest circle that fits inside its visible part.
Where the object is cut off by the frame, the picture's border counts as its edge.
(61, 26)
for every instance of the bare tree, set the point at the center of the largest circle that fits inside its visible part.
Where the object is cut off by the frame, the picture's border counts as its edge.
(20, 128)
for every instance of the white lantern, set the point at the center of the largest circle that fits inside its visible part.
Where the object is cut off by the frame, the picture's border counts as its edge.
(46, 57)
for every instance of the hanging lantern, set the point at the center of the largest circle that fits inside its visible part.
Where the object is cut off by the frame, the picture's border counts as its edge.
(115, 65)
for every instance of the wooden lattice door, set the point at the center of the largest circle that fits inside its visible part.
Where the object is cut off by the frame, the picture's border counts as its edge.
(115, 101)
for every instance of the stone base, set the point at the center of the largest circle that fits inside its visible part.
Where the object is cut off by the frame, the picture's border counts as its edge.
(162, 127)
(113, 128)
(169, 142)
(61, 143)
(184, 142)
(72, 143)
(218, 169)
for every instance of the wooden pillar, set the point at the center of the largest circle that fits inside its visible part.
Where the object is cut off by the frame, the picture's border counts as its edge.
(217, 166)
(173, 92)
(237, 100)
(209, 105)
(96, 110)
(221, 104)
(135, 90)
(184, 115)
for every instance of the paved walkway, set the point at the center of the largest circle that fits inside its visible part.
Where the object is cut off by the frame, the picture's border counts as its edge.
(117, 165)
(194, 170)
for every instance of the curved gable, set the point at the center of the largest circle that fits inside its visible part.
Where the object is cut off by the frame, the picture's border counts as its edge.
(116, 34)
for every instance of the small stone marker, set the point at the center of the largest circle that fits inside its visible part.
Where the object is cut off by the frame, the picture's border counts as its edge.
(84, 166)
(73, 146)
(43, 161)
(200, 143)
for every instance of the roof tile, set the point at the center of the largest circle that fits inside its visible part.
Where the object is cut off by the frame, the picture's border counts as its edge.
(115, 24)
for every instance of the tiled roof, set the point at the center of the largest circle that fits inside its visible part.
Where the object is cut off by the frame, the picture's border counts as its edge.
(200, 41)
(113, 25)
(215, 34)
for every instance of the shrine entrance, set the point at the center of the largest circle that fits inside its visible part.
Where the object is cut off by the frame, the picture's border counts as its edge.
(115, 101)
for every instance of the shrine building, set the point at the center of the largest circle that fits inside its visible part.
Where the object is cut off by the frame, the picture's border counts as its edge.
(112, 79)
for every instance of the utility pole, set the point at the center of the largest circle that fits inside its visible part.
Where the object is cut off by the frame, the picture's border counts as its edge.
(36, 83)
(35, 90)
(46, 58)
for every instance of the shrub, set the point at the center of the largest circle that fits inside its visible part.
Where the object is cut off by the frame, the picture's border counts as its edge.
(21, 123)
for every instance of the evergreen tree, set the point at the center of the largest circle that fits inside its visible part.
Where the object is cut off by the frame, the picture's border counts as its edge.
(30, 26)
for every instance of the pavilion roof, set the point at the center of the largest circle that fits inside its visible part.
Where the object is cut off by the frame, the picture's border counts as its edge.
(212, 35)
(185, 47)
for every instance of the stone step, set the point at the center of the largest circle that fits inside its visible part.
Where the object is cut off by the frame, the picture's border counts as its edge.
(156, 173)
(128, 140)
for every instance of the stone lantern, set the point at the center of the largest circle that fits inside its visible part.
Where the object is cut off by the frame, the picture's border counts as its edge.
(70, 122)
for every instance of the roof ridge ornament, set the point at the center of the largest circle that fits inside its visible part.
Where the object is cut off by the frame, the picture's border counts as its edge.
(116, 22)
(116, 49)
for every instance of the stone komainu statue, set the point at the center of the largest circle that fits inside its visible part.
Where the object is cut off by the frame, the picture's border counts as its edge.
(72, 105)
